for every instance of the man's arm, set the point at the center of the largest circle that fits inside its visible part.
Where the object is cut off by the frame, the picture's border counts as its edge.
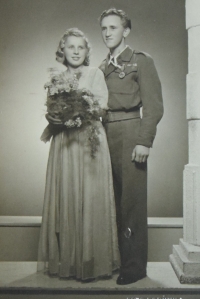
(151, 97)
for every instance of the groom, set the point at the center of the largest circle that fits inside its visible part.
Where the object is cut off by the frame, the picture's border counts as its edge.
(132, 82)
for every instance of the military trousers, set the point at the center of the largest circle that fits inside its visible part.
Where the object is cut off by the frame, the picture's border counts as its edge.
(130, 187)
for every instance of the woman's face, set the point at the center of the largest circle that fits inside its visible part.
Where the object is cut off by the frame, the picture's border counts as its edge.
(75, 51)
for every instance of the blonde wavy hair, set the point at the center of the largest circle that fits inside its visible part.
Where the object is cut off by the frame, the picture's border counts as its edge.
(60, 57)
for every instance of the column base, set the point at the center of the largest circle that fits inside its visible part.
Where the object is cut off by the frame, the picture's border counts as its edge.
(185, 261)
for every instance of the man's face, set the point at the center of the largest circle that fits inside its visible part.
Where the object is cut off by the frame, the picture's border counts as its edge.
(112, 31)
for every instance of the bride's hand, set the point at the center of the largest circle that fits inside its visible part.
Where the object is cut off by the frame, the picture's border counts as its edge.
(53, 121)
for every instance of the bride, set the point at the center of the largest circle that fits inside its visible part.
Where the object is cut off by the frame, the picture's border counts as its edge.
(78, 236)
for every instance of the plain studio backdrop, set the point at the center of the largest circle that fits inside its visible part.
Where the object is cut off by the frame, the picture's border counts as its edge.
(29, 34)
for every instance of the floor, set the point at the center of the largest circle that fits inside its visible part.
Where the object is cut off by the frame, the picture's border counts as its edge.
(21, 278)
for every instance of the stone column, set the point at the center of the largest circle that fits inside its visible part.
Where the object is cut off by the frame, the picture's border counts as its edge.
(186, 256)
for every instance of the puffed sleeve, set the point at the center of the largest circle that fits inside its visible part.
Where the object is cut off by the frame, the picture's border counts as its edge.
(151, 97)
(99, 88)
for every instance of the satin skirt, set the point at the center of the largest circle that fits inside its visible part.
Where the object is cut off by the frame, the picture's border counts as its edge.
(78, 236)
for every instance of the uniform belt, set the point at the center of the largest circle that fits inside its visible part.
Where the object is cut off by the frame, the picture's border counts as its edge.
(122, 115)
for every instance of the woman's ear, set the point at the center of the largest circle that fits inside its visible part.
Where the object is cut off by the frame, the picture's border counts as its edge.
(126, 32)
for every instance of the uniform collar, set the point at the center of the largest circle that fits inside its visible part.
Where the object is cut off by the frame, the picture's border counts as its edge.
(116, 56)
(124, 56)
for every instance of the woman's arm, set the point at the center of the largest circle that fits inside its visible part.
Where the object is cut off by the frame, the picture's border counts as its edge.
(99, 89)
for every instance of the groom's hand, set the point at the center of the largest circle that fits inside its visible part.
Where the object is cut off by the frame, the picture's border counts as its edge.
(140, 154)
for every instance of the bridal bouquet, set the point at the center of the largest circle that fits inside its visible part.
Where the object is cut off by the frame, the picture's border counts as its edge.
(74, 107)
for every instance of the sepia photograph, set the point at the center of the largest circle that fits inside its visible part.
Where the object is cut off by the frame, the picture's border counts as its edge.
(99, 155)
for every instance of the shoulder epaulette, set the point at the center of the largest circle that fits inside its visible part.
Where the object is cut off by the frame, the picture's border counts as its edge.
(141, 52)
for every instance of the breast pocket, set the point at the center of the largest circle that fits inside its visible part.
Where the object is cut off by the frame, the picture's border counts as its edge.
(131, 68)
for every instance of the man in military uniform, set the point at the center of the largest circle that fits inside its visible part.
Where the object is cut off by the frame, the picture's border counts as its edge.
(132, 82)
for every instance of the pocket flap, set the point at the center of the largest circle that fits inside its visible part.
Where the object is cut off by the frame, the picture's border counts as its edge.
(131, 68)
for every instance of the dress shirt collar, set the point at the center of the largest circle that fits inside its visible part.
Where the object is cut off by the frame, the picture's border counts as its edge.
(113, 59)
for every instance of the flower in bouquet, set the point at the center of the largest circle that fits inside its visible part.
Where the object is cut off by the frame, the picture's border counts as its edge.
(74, 107)
(73, 123)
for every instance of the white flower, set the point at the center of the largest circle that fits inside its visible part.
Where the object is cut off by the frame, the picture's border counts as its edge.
(69, 123)
(78, 122)
(88, 100)
(73, 123)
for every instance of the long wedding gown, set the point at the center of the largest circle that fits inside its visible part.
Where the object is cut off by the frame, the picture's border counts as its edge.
(78, 236)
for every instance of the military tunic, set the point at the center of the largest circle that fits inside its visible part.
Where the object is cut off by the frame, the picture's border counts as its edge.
(133, 85)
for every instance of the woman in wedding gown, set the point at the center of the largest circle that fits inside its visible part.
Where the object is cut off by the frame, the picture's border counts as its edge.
(78, 236)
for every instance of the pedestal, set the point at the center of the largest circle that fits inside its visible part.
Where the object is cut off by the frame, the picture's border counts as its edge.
(185, 261)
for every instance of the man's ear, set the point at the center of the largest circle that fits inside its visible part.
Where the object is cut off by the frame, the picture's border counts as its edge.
(126, 32)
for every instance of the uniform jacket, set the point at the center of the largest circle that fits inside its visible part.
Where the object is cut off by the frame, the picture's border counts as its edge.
(140, 87)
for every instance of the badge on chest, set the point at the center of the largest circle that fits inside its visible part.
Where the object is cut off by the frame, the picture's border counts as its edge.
(122, 73)
(125, 69)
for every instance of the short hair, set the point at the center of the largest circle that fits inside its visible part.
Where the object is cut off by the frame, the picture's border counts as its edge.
(60, 57)
(126, 22)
